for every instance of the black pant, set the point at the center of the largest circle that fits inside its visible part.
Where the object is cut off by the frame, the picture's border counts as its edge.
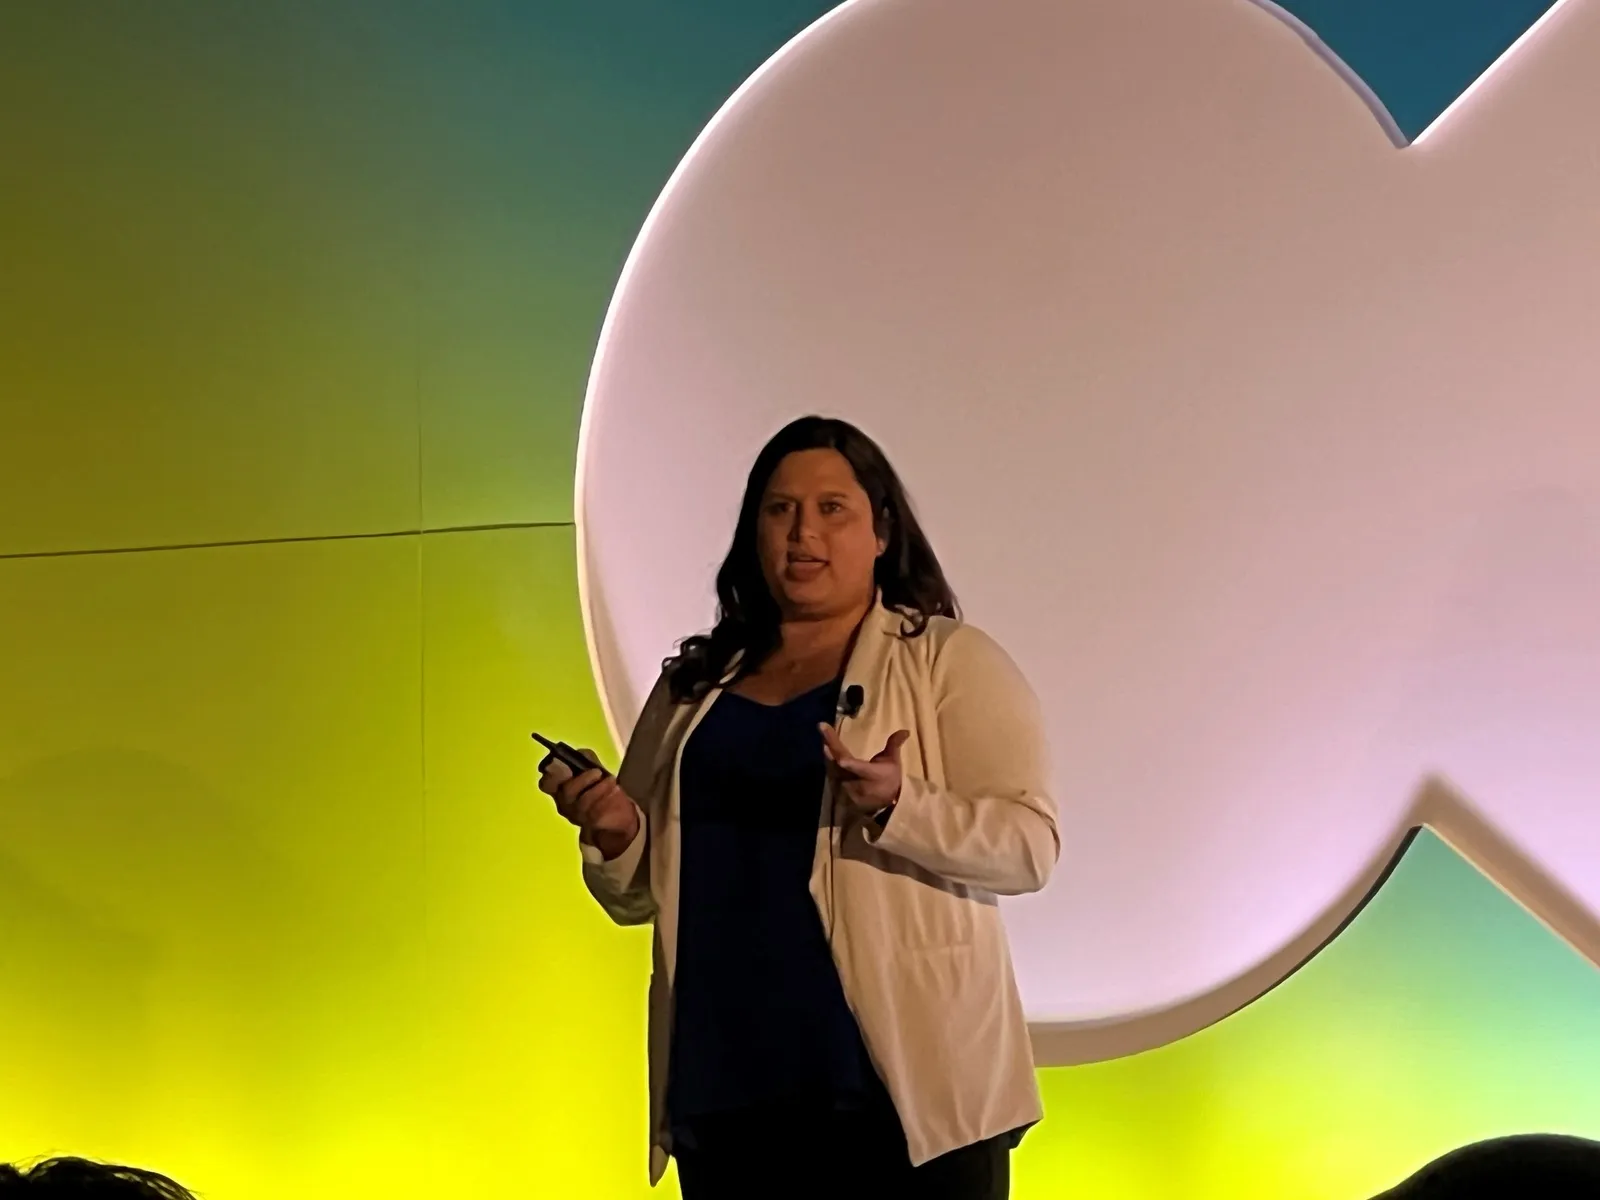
(834, 1156)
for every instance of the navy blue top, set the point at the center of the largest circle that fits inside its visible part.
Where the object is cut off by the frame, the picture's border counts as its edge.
(759, 1017)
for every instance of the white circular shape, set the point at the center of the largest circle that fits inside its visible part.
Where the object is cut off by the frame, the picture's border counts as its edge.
(1267, 449)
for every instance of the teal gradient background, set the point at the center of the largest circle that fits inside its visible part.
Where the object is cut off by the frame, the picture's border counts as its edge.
(297, 302)
(1419, 55)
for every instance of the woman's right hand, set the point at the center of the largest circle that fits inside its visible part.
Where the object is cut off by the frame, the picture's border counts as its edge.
(606, 816)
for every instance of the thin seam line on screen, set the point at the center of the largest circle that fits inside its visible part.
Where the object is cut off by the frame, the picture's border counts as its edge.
(287, 541)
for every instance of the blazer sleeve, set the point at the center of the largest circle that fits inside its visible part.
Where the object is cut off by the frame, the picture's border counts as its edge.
(992, 825)
(622, 885)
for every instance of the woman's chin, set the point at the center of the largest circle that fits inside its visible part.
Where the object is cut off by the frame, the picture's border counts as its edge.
(813, 600)
(805, 602)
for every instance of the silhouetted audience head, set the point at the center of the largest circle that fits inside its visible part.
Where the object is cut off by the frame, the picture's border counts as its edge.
(80, 1179)
(1533, 1166)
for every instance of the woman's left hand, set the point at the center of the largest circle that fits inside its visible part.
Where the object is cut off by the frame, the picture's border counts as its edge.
(867, 785)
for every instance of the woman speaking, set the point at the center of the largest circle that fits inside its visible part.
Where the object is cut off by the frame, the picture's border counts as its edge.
(817, 808)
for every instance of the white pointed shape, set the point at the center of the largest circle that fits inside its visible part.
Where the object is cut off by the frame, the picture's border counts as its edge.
(1269, 449)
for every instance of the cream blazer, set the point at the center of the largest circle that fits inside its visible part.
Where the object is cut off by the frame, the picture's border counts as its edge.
(910, 911)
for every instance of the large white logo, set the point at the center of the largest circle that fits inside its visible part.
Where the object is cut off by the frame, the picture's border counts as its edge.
(1269, 448)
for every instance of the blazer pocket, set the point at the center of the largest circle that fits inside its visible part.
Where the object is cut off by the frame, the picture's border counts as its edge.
(904, 904)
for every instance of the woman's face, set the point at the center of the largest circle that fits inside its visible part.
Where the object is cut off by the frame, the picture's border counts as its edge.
(816, 536)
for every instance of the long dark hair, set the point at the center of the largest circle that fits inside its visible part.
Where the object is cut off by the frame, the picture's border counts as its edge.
(907, 574)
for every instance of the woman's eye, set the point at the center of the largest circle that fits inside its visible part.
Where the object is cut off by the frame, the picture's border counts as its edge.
(832, 506)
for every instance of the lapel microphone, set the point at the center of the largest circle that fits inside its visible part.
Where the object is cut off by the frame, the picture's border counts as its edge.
(852, 700)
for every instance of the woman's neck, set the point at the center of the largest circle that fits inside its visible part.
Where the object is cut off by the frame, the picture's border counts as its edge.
(810, 652)
(807, 637)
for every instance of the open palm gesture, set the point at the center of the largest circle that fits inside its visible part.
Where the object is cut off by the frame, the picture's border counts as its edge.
(867, 785)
